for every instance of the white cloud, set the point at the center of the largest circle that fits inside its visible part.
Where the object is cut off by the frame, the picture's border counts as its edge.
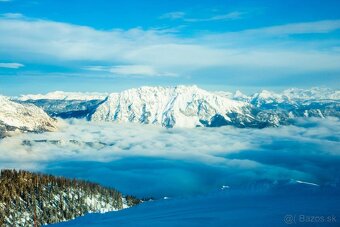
(220, 17)
(132, 70)
(158, 157)
(324, 26)
(155, 52)
(265, 35)
(11, 65)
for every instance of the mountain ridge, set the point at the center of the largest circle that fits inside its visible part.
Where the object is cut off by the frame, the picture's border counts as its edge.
(191, 106)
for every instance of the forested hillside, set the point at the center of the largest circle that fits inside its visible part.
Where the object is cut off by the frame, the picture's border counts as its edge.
(32, 199)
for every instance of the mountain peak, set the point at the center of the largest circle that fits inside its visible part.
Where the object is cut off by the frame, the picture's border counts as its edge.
(180, 106)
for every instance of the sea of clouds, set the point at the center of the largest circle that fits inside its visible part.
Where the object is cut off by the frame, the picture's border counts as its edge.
(148, 160)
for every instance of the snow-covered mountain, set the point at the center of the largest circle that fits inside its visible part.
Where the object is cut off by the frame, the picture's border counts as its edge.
(181, 106)
(190, 106)
(283, 108)
(312, 94)
(16, 117)
(65, 104)
(267, 98)
(61, 95)
(293, 96)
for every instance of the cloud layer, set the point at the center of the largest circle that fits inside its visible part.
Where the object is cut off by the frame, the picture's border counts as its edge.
(175, 162)
(163, 52)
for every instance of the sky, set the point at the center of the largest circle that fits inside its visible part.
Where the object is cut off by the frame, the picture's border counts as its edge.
(105, 46)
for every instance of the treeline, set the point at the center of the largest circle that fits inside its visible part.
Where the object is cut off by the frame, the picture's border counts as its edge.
(33, 199)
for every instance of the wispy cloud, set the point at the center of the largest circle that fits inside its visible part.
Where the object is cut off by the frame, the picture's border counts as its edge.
(173, 15)
(324, 26)
(178, 15)
(129, 70)
(222, 17)
(11, 65)
(5, 0)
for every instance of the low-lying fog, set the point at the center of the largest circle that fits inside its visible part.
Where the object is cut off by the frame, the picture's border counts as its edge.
(147, 160)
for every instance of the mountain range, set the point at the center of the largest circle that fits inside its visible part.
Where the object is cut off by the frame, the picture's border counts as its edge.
(180, 106)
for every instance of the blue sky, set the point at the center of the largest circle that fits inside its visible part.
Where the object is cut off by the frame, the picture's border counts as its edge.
(83, 45)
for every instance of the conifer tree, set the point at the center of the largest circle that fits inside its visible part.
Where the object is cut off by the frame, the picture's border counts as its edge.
(50, 199)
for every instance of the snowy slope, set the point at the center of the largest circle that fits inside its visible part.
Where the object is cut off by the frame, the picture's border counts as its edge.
(181, 106)
(16, 117)
(292, 206)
